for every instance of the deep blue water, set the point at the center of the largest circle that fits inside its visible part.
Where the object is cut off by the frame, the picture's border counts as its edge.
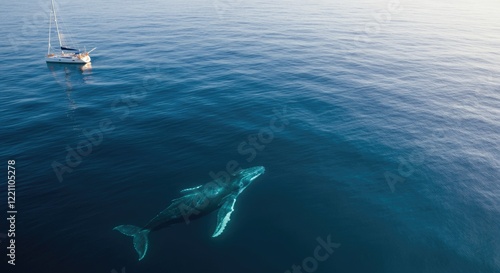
(388, 138)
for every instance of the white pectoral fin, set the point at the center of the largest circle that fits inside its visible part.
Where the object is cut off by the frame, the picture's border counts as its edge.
(224, 215)
(189, 190)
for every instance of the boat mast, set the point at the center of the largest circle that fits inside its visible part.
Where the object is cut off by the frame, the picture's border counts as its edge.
(57, 25)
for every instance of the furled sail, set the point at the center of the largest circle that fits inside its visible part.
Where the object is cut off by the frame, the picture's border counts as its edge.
(68, 48)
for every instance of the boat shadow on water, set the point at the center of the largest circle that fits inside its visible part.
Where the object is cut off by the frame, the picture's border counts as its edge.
(69, 77)
(69, 68)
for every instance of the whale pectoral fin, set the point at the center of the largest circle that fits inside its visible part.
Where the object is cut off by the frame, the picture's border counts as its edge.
(188, 190)
(224, 215)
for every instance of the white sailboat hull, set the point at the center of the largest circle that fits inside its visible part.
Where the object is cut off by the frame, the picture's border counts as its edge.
(68, 59)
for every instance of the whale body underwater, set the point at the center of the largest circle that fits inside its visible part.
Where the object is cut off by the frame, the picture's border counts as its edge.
(195, 203)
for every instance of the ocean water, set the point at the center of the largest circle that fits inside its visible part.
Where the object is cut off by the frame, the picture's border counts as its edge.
(377, 122)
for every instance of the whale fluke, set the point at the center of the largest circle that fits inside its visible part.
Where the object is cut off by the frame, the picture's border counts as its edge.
(141, 240)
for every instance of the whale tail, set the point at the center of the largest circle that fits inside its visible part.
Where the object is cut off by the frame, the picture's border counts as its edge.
(140, 237)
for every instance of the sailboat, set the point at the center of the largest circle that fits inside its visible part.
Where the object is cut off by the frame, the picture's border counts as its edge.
(64, 53)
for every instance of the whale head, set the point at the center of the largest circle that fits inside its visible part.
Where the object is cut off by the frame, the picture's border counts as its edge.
(244, 177)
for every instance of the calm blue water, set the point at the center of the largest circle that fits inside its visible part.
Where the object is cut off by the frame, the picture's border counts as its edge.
(389, 139)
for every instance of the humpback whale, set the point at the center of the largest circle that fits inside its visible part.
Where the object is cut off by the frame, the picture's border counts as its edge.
(194, 203)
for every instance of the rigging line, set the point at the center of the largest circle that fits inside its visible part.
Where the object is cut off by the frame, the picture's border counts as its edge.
(50, 30)
(67, 36)
(57, 25)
